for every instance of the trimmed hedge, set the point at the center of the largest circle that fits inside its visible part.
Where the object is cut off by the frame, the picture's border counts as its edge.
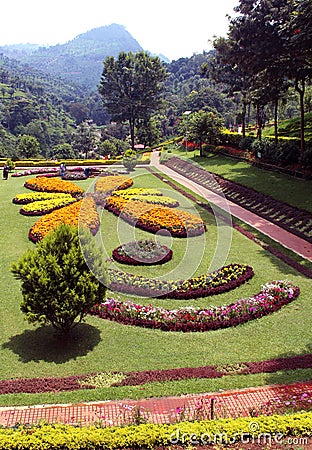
(67, 437)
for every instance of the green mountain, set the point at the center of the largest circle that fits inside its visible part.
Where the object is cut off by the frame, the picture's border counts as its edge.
(81, 59)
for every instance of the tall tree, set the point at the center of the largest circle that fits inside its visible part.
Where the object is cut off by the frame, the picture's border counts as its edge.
(204, 127)
(28, 146)
(85, 138)
(131, 87)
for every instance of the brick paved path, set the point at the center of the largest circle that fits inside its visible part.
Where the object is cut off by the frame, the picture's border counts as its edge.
(234, 403)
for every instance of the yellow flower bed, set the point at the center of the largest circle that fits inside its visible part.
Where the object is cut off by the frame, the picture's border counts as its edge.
(53, 185)
(28, 197)
(39, 208)
(109, 183)
(150, 218)
(83, 212)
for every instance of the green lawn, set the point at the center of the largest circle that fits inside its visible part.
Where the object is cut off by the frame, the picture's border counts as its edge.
(295, 191)
(98, 345)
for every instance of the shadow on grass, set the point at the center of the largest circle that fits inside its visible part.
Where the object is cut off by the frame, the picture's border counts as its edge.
(44, 344)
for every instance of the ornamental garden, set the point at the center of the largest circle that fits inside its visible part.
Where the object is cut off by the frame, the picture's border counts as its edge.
(170, 303)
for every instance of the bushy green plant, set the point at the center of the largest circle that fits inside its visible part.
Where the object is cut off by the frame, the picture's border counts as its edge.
(57, 285)
(130, 159)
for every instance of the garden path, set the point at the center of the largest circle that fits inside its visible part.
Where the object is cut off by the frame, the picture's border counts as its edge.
(287, 239)
(234, 403)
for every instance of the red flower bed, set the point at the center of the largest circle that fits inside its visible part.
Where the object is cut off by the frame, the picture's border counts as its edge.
(71, 383)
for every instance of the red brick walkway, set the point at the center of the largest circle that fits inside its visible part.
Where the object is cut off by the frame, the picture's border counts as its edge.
(235, 403)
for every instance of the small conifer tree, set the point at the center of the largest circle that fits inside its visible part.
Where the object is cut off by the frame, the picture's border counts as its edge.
(57, 285)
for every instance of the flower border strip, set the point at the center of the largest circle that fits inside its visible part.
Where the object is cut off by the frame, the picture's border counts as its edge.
(272, 297)
(74, 382)
(216, 284)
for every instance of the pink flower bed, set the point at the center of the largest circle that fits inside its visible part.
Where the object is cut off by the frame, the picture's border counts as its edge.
(272, 297)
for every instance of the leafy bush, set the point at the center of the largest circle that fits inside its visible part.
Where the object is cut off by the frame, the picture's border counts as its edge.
(130, 159)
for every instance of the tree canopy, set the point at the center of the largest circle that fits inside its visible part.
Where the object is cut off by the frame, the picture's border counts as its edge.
(131, 87)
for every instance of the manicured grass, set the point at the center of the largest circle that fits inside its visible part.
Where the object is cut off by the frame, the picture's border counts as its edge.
(295, 191)
(99, 345)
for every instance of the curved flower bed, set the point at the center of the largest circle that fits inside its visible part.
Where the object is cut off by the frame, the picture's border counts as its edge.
(271, 298)
(109, 183)
(39, 208)
(53, 185)
(28, 197)
(81, 212)
(142, 253)
(156, 218)
(222, 280)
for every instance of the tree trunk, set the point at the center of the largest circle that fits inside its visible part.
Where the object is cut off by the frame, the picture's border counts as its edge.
(131, 122)
(276, 121)
(301, 91)
(244, 119)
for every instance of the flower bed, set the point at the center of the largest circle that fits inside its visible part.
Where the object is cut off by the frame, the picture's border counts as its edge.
(42, 170)
(142, 253)
(109, 183)
(81, 212)
(28, 197)
(75, 382)
(153, 200)
(53, 185)
(271, 298)
(39, 208)
(222, 280)
(156, 219)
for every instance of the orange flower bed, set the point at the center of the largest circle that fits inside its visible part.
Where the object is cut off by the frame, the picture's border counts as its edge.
(45, 184)
(110, 183)
(154, 219)
(82, 212)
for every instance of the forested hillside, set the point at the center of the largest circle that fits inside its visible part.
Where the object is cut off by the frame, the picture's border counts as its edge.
(81, 59)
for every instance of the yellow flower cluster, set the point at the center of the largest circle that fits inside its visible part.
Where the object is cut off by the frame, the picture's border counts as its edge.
(147, 216)
(109, 183)
(82, 212)
(53, 185)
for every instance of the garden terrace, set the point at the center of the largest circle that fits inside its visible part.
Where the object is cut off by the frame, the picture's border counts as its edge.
(290, 218)
(98, 345)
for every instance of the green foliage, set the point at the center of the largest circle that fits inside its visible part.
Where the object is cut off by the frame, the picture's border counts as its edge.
(28, 146)
(204, 127)
(147, 435)
(130, 159)
(57, 285)
(131, 87)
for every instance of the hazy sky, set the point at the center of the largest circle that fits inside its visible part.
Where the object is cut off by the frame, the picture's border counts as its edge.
(174, 28)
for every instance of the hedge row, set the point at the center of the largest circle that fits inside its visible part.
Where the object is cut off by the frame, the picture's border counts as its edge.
(224, 431)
